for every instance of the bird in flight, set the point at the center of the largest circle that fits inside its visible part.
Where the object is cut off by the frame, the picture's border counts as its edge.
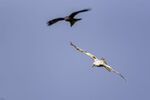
(98, 62)
(69, 18)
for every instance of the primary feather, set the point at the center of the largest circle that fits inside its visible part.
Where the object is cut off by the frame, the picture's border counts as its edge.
(83, 51)
(50, 22)
(77, 12)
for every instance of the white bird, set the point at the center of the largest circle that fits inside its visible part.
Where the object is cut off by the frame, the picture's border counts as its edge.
(98, 62)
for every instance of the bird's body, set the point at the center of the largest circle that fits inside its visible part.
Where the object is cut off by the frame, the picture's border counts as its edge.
(72, 21)
(98, 62)
(71, 18)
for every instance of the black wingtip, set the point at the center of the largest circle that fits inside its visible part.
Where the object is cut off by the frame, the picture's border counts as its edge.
(88, 9)
(71, 43)
(48, 23)
(124, 78)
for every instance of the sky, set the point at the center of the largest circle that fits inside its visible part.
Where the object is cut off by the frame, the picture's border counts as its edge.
(38, 63)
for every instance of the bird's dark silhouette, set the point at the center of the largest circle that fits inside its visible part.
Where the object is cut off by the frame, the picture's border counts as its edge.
(69, 18)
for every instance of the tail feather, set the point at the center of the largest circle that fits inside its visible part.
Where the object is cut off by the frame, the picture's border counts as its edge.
(74, 21)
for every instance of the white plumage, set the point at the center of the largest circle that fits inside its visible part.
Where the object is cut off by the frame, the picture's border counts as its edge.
(98, 62)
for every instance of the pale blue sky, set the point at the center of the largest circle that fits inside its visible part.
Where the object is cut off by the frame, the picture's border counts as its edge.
(37, 62)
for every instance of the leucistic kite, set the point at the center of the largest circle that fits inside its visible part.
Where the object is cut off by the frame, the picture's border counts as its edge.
(98, 62)
(69, 18)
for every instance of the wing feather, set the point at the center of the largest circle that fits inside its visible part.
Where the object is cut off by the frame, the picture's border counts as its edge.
(82, 51)
(75, 13)
(118, 73)
(110, 69)
(50, 22)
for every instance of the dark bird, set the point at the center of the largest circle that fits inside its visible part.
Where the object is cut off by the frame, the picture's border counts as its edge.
(69, 18)
(98, 62)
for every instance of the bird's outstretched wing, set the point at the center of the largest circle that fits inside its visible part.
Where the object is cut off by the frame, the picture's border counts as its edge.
(75, 13)
(85, 52)
(118, 73)
(50, 22)
(110, 69)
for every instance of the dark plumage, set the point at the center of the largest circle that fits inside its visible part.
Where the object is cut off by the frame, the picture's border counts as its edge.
(69, 18)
